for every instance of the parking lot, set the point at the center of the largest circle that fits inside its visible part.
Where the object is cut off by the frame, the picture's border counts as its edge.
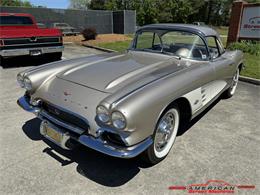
(222, 143)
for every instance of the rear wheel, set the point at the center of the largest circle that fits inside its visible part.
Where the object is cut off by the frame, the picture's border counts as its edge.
(164, 136)
(232, 89)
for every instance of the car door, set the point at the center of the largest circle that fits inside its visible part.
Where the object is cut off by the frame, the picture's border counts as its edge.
(221, 64)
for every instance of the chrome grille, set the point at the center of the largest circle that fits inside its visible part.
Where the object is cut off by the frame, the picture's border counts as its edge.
(31, 40)
(65, 116)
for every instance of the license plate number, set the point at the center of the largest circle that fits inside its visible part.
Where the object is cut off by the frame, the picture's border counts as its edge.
(56, 136)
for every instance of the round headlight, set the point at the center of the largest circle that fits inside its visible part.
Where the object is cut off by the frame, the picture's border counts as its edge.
(27, 83)
(20, 80)
(103, 114)
(118, 120)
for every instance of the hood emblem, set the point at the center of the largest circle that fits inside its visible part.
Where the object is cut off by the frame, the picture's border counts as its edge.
(66, 93)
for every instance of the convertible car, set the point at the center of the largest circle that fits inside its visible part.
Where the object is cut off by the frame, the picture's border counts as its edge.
(131, 104)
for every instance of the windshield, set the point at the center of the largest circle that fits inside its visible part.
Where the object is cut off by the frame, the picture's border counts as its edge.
(15, 20)
(177, 43)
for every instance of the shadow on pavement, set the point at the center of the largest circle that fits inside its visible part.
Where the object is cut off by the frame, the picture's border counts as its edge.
(23, 61)
(103, 169)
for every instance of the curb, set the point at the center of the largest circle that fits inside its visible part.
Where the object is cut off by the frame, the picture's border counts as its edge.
(249, 80)
(99, 48)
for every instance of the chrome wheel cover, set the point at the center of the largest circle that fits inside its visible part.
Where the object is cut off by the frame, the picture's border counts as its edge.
(166, 133)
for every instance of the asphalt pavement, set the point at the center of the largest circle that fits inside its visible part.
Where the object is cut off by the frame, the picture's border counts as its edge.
(223, 143)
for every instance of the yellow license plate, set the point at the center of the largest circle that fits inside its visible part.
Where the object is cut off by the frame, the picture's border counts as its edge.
(56, 136)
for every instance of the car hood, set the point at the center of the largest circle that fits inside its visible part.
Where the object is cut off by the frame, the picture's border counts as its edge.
(112, 73)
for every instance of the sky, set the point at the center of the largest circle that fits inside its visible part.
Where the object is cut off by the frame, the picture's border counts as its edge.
(62, 4)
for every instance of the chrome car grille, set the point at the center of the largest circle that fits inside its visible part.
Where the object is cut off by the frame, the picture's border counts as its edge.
(31, 40)
(65, 116)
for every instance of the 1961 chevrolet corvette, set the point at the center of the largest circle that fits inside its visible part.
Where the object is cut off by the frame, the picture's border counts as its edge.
(126, 104)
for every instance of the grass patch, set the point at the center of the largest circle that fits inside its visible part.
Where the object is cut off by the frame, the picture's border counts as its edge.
(222, 30)
(117, 46)
(224, 41)
(131, 35)
(252, 68)
(246, 47)
(252, 57)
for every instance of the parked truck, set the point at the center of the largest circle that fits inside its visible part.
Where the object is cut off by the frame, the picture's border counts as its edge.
(20, 36)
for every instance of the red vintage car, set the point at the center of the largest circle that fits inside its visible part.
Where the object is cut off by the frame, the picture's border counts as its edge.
(20, 35)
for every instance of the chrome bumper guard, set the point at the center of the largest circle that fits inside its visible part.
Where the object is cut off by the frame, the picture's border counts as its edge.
(27, 51)
(23, 103)
(95, 143)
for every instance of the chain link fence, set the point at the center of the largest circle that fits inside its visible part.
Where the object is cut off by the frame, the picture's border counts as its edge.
(105, 22)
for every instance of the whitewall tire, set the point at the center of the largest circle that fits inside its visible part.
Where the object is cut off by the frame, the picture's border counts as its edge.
(232, 89)
(164, 136)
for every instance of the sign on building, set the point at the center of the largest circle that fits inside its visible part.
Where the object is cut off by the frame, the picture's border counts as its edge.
(244, 23)
(250, 23)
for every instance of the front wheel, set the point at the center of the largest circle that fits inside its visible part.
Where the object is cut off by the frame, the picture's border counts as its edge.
(232, 89)
(164, 136)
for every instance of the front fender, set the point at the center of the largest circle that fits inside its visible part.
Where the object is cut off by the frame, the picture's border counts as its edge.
(40, 75)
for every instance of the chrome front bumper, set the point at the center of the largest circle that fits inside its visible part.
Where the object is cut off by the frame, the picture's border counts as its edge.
(96, 143)
(27, 51)
(111, 150)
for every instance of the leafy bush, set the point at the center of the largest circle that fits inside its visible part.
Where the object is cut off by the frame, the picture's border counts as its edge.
(89, 34)
(251, 47)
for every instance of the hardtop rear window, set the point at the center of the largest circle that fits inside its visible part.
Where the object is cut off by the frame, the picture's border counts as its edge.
(15, 20)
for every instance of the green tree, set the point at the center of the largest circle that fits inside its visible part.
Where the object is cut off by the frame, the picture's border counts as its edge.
(175, 10)
(120, 4)
(147, 11)
(214, 12)
(18, 3)
(79, 4)
(97, 4)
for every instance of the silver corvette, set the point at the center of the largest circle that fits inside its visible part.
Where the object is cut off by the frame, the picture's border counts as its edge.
(134, 103)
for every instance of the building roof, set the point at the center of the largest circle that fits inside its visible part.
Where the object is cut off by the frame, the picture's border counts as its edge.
(203, 30)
